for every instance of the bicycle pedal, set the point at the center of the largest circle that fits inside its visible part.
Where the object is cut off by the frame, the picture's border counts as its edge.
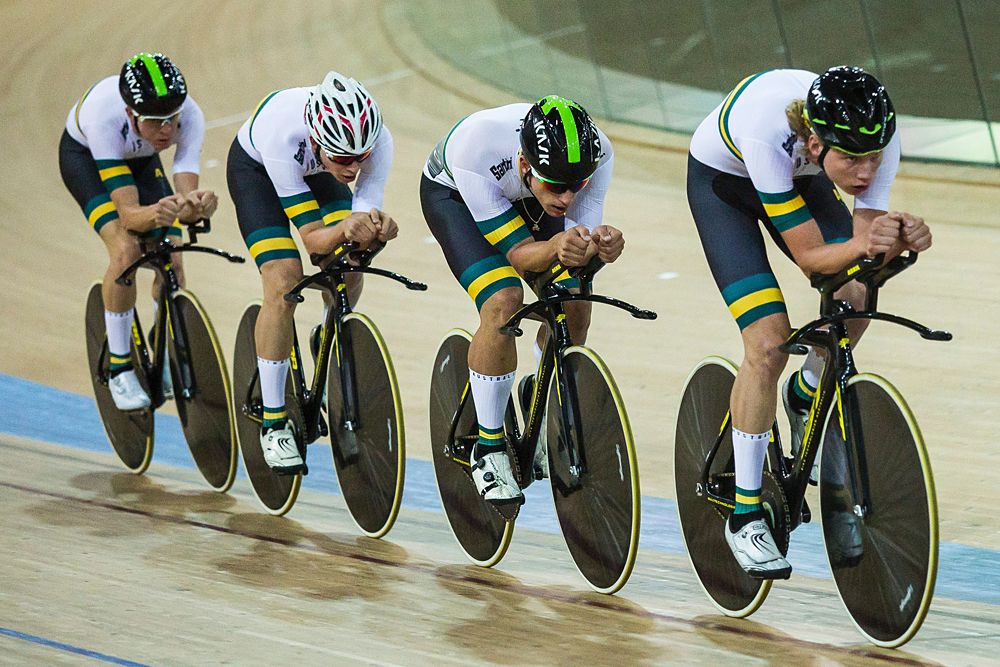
(806, 512)
(508, 510)
(323, 429)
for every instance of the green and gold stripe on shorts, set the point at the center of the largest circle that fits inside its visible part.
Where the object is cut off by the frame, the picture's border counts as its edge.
(301, 209)
(505, 230)
(100, 211)
(114, 174)
(487, 277)
(754, 297)
(727, 108)
(271, 243)
(335, 211)
(785, 209)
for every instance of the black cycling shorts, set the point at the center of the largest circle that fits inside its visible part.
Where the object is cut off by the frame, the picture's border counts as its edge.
(727, 212)
(83, 178)
(479, 265)
(263, 220)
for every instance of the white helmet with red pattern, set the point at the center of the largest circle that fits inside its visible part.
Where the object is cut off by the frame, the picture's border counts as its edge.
(342, 117)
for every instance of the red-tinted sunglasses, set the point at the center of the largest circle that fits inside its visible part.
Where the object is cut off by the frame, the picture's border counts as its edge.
(557, 187)
(347, 160)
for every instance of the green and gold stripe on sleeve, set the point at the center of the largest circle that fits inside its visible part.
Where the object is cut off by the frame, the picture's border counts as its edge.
(114, 174)
(487, 277)
(100, 211)
(505, 230)
(301, 209)
(785, 209)
(335, 211)
(253, 116)
(751, 298)
(271, 243)
(727, 108)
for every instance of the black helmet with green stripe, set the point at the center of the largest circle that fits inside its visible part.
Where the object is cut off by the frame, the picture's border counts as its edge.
(560, 141)
(850, 110)
(151, 85)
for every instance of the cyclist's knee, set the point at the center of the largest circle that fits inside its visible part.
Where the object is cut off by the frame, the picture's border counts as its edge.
(501, 306)
(122, 251)
(278, 278)
(854, 293)
(760, 347)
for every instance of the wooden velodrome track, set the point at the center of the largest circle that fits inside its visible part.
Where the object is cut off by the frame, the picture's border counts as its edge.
(155, 569)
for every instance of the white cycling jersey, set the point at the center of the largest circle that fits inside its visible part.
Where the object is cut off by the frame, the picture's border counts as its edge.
(479, 159)
(100, 121)
(276, 136)
(748, 135)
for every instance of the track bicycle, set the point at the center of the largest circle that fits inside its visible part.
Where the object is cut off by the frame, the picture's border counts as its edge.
(363, 405)
(876, 490)
(592, 466)
(197, 367)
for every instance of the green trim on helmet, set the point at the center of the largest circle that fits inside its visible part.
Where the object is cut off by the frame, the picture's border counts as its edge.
(563, 106)
(154, 72)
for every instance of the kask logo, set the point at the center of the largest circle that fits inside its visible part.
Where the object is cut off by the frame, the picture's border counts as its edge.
(542, 140)
(134, 89)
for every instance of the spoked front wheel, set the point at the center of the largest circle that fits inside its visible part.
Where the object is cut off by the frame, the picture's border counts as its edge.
(276, 492)
(130, 433)
(879, 511)
(369, 452)
(480, 530)
(204, 400)
(702, 420)
(597, 500)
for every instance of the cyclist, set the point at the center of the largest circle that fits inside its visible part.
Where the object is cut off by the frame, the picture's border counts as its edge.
(510, 190)
(292, 160)
(775, 151)
(109, 159)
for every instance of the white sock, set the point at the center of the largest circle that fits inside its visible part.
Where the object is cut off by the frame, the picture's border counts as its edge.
(812, 367)
(749, 451)
(272, 381)
(538, 352)
(490, 394)
(119, 328)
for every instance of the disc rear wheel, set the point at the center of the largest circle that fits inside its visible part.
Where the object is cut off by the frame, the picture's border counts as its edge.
(701, 421)
(276, 492)
(481, 532)
(130, 433)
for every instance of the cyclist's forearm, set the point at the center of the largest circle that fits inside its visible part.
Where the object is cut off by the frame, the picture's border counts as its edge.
(138, 218)
(830, 257)
(533, 256)
(323, 241)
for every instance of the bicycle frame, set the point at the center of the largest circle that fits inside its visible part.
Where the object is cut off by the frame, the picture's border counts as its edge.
(549, 308)
(332, 280)
(168, 317)
(829, 332)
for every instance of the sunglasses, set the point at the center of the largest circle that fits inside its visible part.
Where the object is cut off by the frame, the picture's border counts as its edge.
(347, 160)
(558, 187)
(169, 119)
